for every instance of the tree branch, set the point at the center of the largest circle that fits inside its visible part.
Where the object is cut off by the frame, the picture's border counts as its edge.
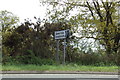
(103, 4)
(90, 37)
(98, 11)
(91, 10)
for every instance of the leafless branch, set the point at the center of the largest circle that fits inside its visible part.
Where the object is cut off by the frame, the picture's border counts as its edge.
(90, 37)
(91, 10)
(96, 4)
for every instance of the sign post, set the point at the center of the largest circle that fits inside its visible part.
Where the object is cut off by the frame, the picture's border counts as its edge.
(64, 51)
(63, 34)
(57, 53)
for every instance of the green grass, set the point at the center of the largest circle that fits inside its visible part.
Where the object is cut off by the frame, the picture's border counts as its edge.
(59, 68)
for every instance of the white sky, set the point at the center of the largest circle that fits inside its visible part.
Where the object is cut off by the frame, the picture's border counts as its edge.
(23, 8)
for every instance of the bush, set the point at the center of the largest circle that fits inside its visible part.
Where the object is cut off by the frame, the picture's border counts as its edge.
(95, 59)
(9, 60)
(27, 59)
(79, 59)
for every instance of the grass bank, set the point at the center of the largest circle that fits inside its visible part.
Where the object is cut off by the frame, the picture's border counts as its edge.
(59, 68)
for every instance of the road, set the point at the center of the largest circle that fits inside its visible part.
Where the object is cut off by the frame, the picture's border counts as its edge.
(59, 77)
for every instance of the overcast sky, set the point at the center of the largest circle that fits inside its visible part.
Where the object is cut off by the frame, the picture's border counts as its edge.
(23, 8)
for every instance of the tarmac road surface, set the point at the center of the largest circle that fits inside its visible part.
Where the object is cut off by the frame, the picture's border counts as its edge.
(59, 77)
(55, 79)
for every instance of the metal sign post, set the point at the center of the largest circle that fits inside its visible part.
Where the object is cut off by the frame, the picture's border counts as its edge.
(63, 34)
(64, 51)
(57, 53)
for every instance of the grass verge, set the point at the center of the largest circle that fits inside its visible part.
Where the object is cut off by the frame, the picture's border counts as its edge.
(59, 68)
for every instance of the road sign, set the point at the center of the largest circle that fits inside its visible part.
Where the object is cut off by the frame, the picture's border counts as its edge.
(61, 34)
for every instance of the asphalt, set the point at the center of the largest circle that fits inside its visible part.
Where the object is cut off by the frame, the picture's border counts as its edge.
(60, 76)
(57, 72)
(57, 79)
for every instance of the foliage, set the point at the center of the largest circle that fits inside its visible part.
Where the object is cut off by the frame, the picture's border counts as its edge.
(7, 20)
(33, 60)
(7, 23)
(98, 20)
(33, 42)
